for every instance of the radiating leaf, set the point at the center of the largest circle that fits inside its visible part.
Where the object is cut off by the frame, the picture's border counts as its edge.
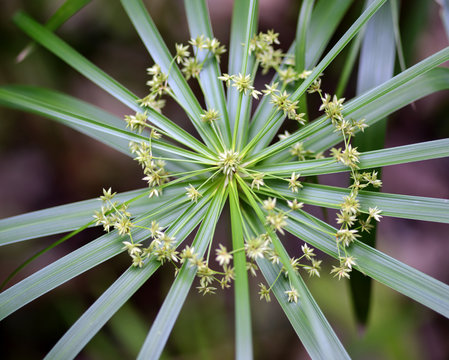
(325, 18)
(273, 123)
(243, 28)
(376, 65)
(123, 288)
(174, 300)
(199, 24)
(381, 267)
(152, 40)
(31, 99)
(400, 206)
(371, 106)
(77, 262)
(370, 159)
(100, 78)
(305, 316)
(69, 217)
(243, 332)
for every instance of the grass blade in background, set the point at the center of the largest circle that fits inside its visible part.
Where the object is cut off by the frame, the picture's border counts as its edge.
(301, 34)
(64, 13)
(444, 12)
(349, 65)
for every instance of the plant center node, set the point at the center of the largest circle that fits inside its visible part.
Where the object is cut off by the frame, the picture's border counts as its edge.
(229, 161)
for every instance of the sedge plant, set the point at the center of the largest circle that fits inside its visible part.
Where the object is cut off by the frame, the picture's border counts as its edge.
(237, 159)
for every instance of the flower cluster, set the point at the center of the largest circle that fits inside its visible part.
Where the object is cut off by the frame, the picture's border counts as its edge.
(350, 217)
(230, 164)
(158, 87)
(153, 168)
(112, 215)
(243, 83)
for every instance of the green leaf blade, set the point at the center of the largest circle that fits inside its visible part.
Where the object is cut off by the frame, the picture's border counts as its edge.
(168, 313)
(243, 28)
(325, 18)
(199, 24)
(156, 47)
(69, 217)
(243, 332)
(381, 267)
(376, 65)
(72, 265)
(371, 159)
(305, 316)
(400, 206)
(62, 14)
(58, 47)
(122, 289)
(414, 83)
(35, 101)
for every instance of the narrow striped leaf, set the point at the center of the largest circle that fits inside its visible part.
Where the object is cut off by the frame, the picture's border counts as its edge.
(243, 332)
(370, 159)
(371, 106)
(273, 124)
(376, 65)
(68, 104)
(378, 108)
(301, 34)
(29, 100)
(243, 28)
(69, 217)
(325, 18)
(401, 206)
(297, 314)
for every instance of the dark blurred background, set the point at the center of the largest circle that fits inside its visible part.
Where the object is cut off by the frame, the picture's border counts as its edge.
(44, 164)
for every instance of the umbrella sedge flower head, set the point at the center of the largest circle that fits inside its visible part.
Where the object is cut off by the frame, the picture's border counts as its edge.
(233, 160)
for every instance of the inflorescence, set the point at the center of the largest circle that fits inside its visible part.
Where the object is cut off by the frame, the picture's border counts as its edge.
(230, 162)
